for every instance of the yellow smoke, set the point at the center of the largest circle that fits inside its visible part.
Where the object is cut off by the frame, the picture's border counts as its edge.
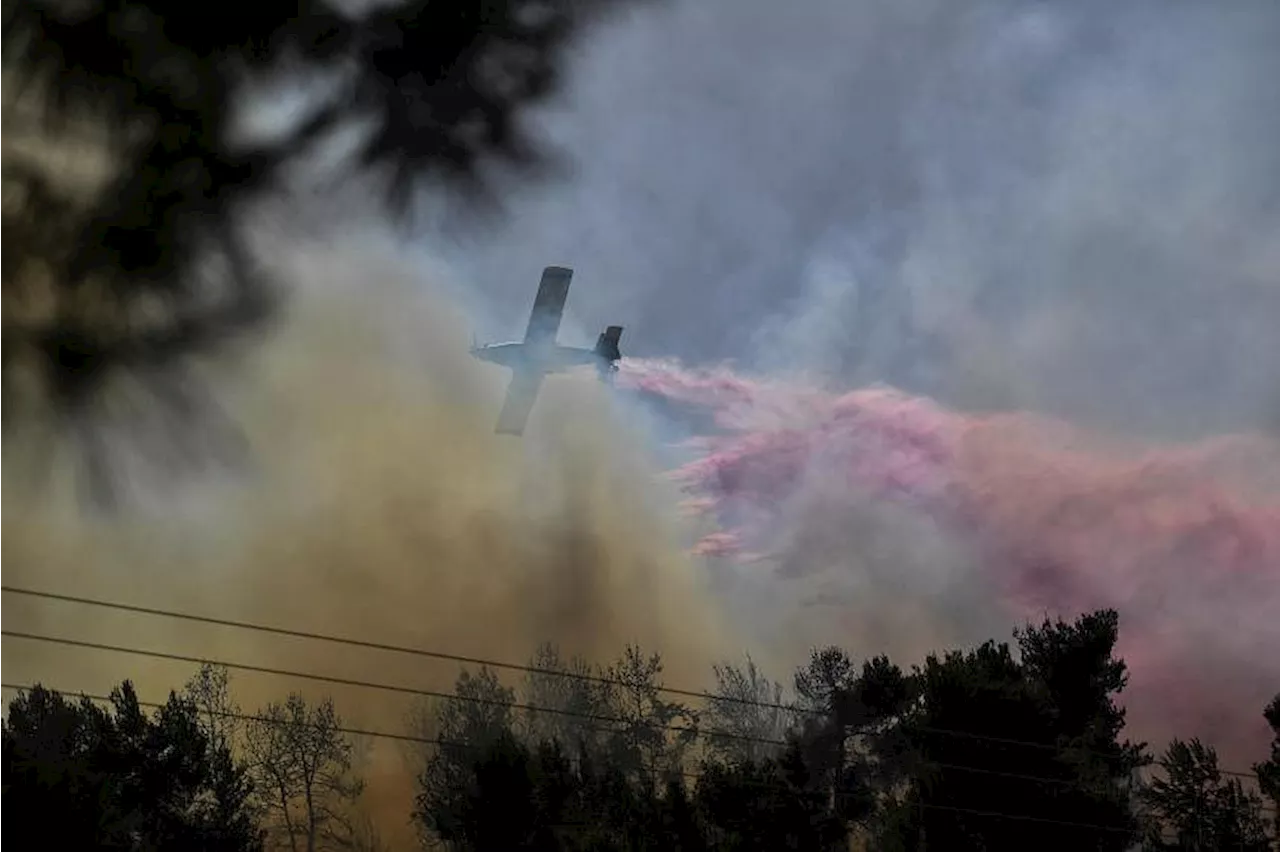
(377, 503)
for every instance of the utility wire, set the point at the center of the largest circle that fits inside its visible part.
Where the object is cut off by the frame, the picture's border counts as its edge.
(245, 717)
(479, 661)
(382, 646)
(693, 776)
(483, 701)
(530, 708)
(367, 684)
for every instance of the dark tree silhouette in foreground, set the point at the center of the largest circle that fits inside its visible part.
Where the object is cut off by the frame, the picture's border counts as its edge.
(747, 716)
(599, 763)
(302, 765)
(512, 794)
(1268, 771)
(80, 776)
(767, 803)
(985, 749)
(147, 267)
(1005, 753)
(1193, 807)
(848, 724)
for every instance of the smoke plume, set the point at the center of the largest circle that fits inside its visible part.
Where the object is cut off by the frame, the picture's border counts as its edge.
(375, 501)
(1183, 540)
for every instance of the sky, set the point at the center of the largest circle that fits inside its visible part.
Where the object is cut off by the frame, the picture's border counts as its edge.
(1072, 207)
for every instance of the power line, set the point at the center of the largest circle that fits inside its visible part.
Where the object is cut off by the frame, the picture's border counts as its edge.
(693, 776)
(1026, 818)
(493, 664)
(1048, 746)
(382, 646)
(473, 699)
(486, 701)
(246, 717)
(367, 684)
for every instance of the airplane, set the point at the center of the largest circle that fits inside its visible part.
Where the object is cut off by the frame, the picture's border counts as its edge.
(539, 354)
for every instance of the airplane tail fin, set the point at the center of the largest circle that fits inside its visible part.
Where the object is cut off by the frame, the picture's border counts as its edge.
(608, 352)
(607, 343)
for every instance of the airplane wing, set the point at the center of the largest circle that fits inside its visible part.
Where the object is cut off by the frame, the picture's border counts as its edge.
(564, 357)
(548, 307)
(521, 393)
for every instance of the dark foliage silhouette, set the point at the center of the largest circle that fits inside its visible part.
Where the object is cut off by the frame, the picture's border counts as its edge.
(79, 776)
(993, 748)
(302, 763)
(533, 796)
(151, 265)
(616, 776)
(1192, 806)
(747, 717)
(980, 749)
(847, 737)
(770, 803)
(1035, 738)
(1268, 771)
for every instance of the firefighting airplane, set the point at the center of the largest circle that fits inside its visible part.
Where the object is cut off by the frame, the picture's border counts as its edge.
(539, 354)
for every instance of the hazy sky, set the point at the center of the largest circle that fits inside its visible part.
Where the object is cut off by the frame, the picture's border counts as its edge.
(1072, 206)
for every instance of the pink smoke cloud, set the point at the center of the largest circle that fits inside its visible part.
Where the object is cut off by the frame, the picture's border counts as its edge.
(1183, 540)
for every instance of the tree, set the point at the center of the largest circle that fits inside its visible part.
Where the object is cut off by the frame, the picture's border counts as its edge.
(505, 796)
(148, 267)
(830, 672)
(513, 795)
(1072, 667)
(570, 699)
(842, 731)
(302, 762)
(78, 776)
(985, 749)
(1018, 754)
(647, 737)
(1195, 809)
(767, 804)
(210, 691)
(745, 714)
(475, 726)
(1268, 771)
(618, 785)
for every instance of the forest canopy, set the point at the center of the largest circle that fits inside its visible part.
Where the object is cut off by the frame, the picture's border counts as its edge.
(994, 747)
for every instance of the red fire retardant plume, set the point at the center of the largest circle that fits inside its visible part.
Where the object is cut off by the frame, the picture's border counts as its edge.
(1184, 541)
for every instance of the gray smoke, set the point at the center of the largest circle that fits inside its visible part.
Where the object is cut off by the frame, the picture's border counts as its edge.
(1072, 207)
